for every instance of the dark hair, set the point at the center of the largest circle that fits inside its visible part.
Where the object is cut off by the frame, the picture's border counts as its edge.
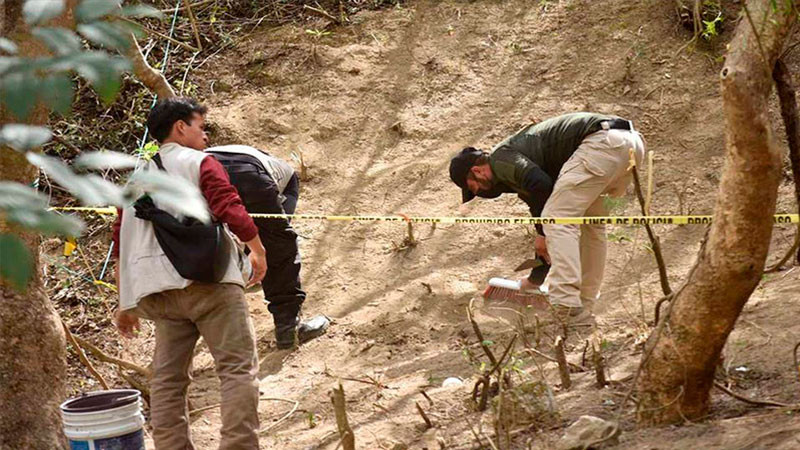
(170, 110)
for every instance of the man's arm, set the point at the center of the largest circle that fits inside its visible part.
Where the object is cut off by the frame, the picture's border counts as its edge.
(533, 184)
(227, 207)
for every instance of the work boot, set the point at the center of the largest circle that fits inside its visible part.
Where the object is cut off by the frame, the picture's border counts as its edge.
(286, 332)
(293, 332)
(573, 316)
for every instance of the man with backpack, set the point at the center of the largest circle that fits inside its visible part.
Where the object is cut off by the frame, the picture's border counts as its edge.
(183, 310)
(269, 185)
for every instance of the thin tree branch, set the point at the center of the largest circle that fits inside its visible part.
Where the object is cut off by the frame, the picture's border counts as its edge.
(99, 354)
(82, 355)
(193, 22)
(654, 242)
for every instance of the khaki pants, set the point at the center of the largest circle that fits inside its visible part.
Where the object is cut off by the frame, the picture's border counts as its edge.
(578, 252)
(218, 313)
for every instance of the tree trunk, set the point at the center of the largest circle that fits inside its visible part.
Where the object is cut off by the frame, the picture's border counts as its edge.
(682, 353)
(788, 100)
(33, 367)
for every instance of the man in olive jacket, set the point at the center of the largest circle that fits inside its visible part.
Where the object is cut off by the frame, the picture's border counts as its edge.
(561, 167)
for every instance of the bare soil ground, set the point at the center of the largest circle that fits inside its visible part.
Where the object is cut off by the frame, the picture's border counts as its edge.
(377, 108)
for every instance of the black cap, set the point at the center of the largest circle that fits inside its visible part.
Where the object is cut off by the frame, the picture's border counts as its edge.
(459, 169)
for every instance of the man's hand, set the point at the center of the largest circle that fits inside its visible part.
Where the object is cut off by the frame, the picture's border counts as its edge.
(258, 260)
(540, 245)
(127, 323)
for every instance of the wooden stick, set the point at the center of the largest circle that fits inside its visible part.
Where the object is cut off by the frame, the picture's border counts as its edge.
(428, 423)
(478, 333)
(751, 401)
(82, 356)
(194, 5)
(110, 359)
(563, 368)
(193, 22)
(599, 365)
(322, 13)
(162, 35)
(348, 439)
(662, 267)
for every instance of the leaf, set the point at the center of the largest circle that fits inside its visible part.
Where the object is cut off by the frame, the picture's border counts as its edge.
(15, 195)
(46, 222)
(105, 160)
(16, 263)
(69, 180)
(60, 40)
(99, 68)
(24, 137)
(107, 35)
(8, 64)
(141, 11)
(175, 193)
(90, 10)
(38, 11)
(18, 93)
(56, 91)
(110, 193)
(8, 46)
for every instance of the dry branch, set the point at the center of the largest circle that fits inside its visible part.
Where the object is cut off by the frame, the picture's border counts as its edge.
(322, 13)
(153, 79)
(348, 439)
(654, 242)
(478, 333)
(193, 22)
(82, 356)
(599, 365)
(428, 423)
(99, 354)
(751, 401)
(563, 367)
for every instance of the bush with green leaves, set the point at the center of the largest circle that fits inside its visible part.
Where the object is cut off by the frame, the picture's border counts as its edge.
(91, 50)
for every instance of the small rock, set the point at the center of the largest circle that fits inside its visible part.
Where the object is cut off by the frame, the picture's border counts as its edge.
(589, 432)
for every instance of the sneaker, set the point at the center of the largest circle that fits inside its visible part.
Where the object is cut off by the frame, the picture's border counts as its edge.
(312, 328)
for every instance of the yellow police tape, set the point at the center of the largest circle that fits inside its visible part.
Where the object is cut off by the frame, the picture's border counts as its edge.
(607, 220)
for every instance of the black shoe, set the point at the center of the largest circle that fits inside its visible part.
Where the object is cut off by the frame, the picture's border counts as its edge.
(312, 328)
(286, 335)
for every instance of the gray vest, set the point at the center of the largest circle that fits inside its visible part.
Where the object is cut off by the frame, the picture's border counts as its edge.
(144, 268)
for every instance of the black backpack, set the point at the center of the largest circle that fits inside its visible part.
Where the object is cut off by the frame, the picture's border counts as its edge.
(198, 251)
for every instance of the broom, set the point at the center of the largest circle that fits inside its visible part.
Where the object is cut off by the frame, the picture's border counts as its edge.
(501, 289)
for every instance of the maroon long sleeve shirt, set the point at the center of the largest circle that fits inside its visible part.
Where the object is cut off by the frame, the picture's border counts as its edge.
(223, 201)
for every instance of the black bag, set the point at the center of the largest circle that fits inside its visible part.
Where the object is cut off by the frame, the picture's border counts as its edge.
(198, 251)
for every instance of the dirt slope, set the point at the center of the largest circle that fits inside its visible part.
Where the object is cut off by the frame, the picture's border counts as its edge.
(377, 108)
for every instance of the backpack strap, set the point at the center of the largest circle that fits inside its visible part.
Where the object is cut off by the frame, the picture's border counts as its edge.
(157, 159)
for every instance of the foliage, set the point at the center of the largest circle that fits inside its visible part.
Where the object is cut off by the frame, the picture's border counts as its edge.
(711, 27)
(26, 82)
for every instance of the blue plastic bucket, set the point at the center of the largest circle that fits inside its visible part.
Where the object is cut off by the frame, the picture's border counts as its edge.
(104, 420)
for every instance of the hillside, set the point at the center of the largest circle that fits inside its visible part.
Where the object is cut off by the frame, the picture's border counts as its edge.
(377, 107)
